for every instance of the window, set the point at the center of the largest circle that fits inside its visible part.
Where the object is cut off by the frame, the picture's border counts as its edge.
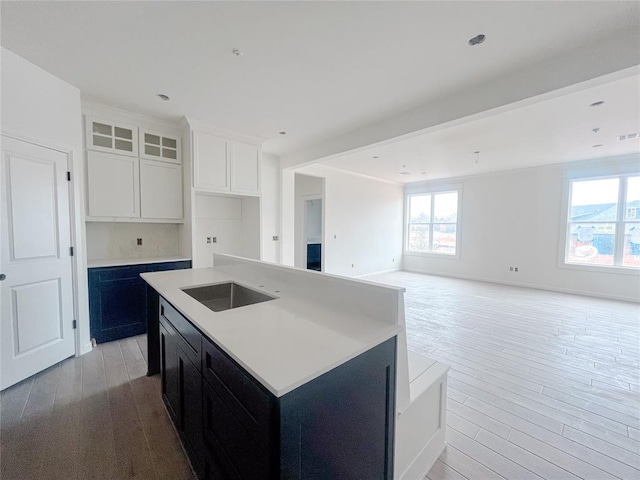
(433, 223)
(603, 227)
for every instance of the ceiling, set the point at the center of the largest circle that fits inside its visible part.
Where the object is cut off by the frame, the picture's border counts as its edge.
(318, 70)
(551, 131)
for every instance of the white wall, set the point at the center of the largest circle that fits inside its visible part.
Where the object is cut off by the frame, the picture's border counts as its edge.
(514, 219)
(270, 207)
(234, 221)
(41, 108)
(363, 223)
(107, 240)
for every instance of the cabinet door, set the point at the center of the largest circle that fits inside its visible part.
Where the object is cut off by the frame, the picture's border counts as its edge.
(245, 169)
(160, 190)
(108, 136)
(170, 373)
(190, 412)
(113, 185)
(210, 162)
(158, 146)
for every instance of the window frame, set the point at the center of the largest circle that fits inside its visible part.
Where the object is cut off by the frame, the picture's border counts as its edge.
(416, 192)
(620, 222)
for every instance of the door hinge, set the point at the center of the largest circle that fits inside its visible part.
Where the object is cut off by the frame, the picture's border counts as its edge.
(71, 251)
(68, 176)
(75, 324)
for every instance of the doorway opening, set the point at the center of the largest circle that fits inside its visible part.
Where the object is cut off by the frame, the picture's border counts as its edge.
(313, 233)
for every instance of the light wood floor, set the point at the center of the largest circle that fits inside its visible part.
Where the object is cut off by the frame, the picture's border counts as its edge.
(542, 385)
(93, 417)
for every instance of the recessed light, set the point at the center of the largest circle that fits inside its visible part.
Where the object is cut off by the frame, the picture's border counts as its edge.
(597, 104)
(282, 132)
(598, 145)
(164, 97)
(477, 40)
(237, 53)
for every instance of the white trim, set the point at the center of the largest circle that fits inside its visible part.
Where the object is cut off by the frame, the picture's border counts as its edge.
(624, 171)
(90, 108)
(441, 187)
(226, 134)
(349, 172)
(364, 275)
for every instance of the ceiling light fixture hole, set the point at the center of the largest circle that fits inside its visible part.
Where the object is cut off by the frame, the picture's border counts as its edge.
(282, 132)
(164, 97)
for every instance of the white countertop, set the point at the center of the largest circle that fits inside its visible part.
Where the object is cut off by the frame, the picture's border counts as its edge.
(116, 262)
(286, 342)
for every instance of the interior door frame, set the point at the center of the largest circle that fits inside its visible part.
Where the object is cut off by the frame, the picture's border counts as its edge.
(303, 240)
(78, 260)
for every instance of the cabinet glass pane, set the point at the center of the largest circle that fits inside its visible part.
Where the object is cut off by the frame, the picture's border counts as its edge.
(152, 139)
(168, 153)
(123, 145)
(123, 133)
(169, 142)
(101, 128)
(100, 141)
(151, 150)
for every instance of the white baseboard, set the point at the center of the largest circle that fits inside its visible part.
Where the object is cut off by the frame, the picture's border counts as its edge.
(86, 348)
(379, 273)
(526, 285)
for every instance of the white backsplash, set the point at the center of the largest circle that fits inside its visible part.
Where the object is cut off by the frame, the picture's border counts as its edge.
(106, 241)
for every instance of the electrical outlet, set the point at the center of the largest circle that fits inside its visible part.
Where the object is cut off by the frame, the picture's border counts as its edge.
(214, 239)
(352, 265)
(208, 239)
(139, 242)
(511, 269)
(516, 269)
(275, 238)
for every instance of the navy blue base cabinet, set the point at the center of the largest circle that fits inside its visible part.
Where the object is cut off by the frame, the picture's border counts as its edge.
(118, 299)
(338, 426)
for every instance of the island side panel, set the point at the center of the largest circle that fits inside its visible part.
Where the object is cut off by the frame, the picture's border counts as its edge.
(153, 331)
(342, 424)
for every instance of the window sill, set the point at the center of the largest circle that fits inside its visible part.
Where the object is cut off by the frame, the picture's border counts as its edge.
(432, 255)
(600, 269)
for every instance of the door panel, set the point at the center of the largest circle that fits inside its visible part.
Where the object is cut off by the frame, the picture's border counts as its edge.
(36, 298)
(36, 315)
(32, 208)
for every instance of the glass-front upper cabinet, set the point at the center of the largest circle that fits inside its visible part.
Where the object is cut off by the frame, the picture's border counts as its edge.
(159, 146)
(107, 136)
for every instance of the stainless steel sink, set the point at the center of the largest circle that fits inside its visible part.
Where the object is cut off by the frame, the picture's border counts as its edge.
(224, 296)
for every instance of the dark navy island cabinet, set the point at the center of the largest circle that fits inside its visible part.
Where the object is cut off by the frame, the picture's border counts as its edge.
(118, 299)
(337, 426)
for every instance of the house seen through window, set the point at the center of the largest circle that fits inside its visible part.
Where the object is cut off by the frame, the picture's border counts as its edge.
(604, 222)
(433, 220)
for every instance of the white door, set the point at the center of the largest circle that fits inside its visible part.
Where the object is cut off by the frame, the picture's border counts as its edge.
(36, 301)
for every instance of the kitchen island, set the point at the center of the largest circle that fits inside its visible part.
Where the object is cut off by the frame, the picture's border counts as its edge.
(304, 385)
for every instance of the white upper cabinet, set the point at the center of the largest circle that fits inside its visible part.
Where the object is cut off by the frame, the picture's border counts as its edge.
(107, 136)
(221, 165)
(160, 190)
(245, 169)
(112, 185)
(210, 162)
(158, 146)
